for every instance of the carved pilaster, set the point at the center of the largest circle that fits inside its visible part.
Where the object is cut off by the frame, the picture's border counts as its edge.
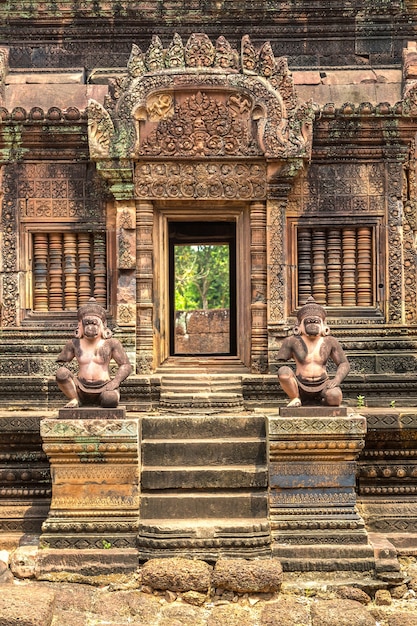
(312, 468)
(144, 286)
(276, 261)
(396, 304)
(259, 353)
(126, 262)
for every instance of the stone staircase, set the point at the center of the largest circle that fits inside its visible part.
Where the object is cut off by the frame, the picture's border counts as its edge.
(201, 392)
(204, 487)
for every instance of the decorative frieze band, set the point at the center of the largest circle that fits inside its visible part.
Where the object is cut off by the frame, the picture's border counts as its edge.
(207, 180)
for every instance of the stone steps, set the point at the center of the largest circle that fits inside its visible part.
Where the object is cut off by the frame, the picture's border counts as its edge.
(199, 504)
(201, 452)
(210, 470)
(192, 477)
(191, 426)
(201, 392)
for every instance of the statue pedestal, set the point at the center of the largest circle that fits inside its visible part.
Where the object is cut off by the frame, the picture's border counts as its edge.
(95, 490)
(312, 471)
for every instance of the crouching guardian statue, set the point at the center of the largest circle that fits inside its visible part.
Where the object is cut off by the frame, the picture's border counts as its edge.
(94, 348)
(311, 346)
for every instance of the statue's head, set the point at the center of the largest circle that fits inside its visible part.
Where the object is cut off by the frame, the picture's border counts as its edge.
(92, 320)
(311, 319)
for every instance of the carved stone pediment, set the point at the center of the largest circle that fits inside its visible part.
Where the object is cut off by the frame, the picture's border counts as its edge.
(201, 100)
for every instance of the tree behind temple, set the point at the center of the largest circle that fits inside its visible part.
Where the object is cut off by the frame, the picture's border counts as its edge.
(202, 277)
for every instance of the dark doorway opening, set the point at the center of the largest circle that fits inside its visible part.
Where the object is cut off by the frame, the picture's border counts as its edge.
(202, 286)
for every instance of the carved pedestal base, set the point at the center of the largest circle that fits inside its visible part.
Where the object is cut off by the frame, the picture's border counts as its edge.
(95, 484)
(312, 468)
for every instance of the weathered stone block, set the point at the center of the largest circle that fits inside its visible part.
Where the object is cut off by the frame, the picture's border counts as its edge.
(177, 574)
(248, 576)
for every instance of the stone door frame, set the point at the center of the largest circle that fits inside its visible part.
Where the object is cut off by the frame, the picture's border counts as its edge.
(208, 212)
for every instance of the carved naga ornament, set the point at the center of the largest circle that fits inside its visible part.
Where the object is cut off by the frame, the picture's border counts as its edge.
(201, 100)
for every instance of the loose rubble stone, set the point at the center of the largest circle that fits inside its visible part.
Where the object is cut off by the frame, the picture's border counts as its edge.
(285, 612)
(26, 607)
(353, 593)
(23, 561)
(194, 597)
(177, 574)
(403, 619)
(398, 592)
(248, 576)
(383, 597)
(340, 613)
(231, 614)
(170, 596)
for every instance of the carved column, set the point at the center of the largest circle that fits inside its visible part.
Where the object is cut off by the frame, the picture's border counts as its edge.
(259, 350)
(144, 290)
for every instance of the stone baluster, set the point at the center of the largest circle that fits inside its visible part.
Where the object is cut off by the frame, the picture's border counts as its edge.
(365, 266)
(319, 266)
(40, 273)
(55, 272)
(99, 269)
(70, 271)
(349, 266)
(84, 265)
(304, 265)
(334, 267)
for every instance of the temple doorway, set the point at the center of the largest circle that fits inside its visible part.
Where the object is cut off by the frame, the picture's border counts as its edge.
(202, 288)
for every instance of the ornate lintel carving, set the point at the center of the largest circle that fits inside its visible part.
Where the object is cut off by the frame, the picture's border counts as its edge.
(202, 99)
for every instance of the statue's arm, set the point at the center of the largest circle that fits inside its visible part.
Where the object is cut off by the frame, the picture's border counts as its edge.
(67, 353)
(340, 360)
(286, 350)
(119, 355)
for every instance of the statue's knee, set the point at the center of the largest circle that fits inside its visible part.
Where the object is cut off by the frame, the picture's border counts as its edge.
(333, 397)
(109, 399)
(63, 375)
(285, 373)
